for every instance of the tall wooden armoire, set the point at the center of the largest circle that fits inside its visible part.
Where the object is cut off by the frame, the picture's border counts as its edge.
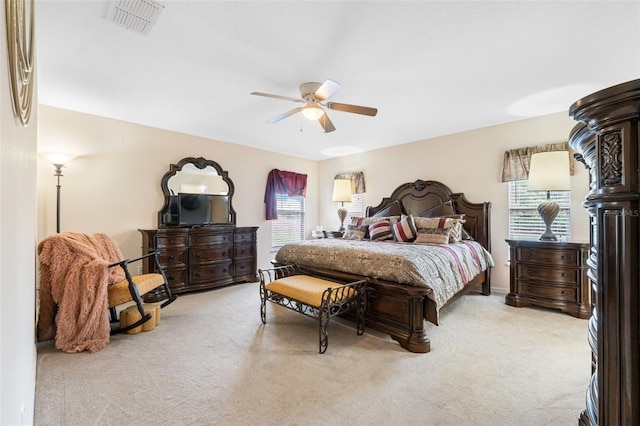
(606, 140)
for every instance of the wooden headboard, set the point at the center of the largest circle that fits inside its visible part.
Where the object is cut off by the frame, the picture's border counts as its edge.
(422, 195)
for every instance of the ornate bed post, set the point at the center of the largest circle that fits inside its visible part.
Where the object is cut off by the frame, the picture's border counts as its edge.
(606, 141)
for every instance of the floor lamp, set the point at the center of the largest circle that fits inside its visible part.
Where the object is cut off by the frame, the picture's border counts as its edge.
(342, 194)
(58, 160)
(549, 171)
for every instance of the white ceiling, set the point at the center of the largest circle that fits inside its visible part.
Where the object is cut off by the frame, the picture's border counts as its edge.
(430, 67)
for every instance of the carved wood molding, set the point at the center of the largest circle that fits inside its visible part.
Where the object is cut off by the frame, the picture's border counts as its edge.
(20, 37)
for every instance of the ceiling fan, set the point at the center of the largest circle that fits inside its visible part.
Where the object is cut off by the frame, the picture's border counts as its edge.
(312, 95)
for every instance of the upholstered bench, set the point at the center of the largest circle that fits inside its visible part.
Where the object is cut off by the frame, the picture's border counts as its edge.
(312, 296)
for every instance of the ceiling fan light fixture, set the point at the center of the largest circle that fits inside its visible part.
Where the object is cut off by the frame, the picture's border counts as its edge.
(313, 112)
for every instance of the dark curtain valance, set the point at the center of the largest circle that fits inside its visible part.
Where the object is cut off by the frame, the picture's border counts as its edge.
(357, 181)
(516, 161)
(282, 182)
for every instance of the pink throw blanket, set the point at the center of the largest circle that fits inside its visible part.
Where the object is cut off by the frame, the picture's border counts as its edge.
(73, 289)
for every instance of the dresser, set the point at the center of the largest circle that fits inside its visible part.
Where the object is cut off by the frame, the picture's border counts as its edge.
(203, 257)
(607, 141)
(551, 274)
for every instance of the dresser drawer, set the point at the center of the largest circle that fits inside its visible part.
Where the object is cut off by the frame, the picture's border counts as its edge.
(247, 267)
(208, 239)
(173, 258)
(553, 257)
(244, 237)
(177, 278)
(563, 293)
(213, 272)
(209, 254)
(171, 240)
(535, 272)
(244, 250)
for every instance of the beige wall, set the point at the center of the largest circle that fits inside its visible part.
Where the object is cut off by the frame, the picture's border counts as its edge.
(17, 255)
(113, 186)
(469, 162)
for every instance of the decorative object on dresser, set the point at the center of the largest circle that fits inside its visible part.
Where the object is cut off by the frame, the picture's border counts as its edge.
(199, 244)
(607, 141)
(550, 274)
(341, 194)
(549, 171)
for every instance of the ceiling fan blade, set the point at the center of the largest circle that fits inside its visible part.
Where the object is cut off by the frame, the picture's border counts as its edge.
(327, 89)
(326, 123)
(284, 115)
(268, 95)
(357, 109)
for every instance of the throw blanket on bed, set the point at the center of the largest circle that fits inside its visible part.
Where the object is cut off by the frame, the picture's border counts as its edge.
(443, 268)
(73, 289)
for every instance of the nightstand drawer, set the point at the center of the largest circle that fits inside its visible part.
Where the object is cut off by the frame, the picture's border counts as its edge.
(534, 272)
(554, 257)
(569, 294)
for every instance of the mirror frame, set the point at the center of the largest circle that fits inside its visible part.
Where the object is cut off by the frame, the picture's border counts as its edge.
(200, 163)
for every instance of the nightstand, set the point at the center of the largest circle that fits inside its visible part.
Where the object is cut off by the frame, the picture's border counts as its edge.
(551, 274)
(333, 234)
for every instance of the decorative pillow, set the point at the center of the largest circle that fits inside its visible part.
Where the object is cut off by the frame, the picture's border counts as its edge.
(405, 230)
(392, 209)
(380, 231)
(453, 223)
(433, 236)
(354, 232)
(444, 209)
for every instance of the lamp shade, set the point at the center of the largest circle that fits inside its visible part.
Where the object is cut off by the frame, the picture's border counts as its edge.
(549, 171)
(341, 190)
(58, 157)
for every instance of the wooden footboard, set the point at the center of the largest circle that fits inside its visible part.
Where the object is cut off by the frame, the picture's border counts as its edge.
(400, 310)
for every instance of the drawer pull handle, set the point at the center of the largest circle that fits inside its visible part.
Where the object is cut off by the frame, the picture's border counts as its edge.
(529, 287)
(171, 278)
(224, 253)
(171, 258)
(197, 274)
(197, 256)
(563, 274)
(224, 270)
(243, 251)
(563, 257)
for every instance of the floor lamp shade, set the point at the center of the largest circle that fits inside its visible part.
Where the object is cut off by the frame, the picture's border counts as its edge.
(341, 194)
(549, 171)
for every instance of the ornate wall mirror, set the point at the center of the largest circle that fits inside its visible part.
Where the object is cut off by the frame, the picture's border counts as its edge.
(197, 192)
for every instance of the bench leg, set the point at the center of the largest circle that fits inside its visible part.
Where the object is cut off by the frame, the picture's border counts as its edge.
(324, 336)
(263, 304)
(360, 308)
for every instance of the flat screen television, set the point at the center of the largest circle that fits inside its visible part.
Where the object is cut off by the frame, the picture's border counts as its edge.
(202, 209)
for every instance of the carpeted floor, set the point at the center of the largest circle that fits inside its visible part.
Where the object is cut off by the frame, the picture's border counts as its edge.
(212, 362)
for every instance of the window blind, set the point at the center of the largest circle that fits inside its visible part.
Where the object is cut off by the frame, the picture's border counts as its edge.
(289, 227)
(524, 220)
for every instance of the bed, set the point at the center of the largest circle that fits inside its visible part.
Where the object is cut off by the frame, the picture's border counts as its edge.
(399, 297)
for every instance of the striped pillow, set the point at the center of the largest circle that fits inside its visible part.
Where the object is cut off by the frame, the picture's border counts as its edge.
(380, 231)
(405, 230)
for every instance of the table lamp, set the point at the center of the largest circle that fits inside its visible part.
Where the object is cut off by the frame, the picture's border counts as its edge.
(549, 171)
(341, 193)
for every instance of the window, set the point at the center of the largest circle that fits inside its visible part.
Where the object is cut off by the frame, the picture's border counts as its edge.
(289, 227)
(524, 220)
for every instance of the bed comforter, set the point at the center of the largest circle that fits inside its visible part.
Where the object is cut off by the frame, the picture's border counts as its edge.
(444, 269)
